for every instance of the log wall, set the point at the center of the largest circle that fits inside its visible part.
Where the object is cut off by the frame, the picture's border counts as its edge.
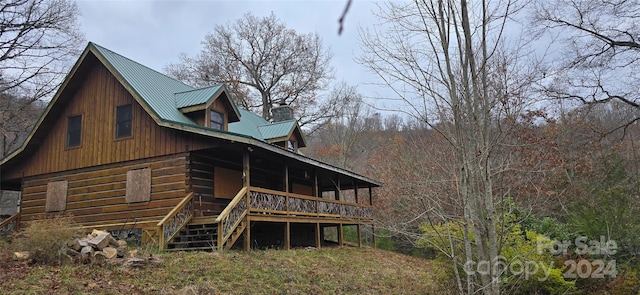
(97, 195)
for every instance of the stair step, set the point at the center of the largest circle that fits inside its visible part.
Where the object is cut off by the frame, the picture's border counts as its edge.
(198, 232)
(176, 243)
(187, 235)
(211, 220)
(208, 249)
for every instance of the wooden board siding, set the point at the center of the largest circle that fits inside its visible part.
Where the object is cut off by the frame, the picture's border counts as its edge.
(301, 189)
(227, 182)
(96, 100)
(97, 195)
(213, 186)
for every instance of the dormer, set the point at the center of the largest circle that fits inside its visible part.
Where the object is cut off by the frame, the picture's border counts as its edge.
(208, 107)
(286, 134)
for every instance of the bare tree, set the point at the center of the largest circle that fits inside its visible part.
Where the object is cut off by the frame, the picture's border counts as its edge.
(344, 140)
(18, 117)
(450, 65)
(601, 50)
(39, 40)
(264, 63)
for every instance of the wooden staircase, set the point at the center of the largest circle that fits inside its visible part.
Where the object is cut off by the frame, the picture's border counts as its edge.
(201, 234)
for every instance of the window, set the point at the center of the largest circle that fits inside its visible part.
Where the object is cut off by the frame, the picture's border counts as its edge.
(123, 121)
(138, 185)
(216, 120)
(56, 196)
(291, 145)
(74, 131)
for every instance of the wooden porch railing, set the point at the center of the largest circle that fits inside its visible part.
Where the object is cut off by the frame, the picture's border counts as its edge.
(231, 217)
(259, 200)
(175, 220)
(10, 224)
(277, 202)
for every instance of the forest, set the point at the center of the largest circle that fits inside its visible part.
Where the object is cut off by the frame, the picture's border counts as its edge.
(504, 131)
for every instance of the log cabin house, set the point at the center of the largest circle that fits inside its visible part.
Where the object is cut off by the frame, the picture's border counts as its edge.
(124, 148)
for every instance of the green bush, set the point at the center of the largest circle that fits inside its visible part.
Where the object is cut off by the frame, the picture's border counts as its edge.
(519, 247)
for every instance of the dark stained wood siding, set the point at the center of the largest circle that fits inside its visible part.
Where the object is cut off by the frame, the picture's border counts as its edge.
(96, 100)
(97, 195)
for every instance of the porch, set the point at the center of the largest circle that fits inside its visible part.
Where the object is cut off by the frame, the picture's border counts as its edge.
(181, 229)
(275, 194)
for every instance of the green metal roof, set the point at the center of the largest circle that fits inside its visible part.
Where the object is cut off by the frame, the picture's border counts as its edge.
(248, 124)
(277, 130)
(196, 96)
(259, 128)
(165, 96)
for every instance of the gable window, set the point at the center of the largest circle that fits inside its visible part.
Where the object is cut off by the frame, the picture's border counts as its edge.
(74, 131)
(123, 121)
(216, 120)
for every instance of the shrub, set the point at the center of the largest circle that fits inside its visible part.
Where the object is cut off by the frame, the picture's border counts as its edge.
(45, 239)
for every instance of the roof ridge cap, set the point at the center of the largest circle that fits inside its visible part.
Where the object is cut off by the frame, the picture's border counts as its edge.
(133, 61)
(197, 89)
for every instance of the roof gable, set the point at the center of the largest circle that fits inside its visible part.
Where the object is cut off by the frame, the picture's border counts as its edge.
(153, 89)
(200, 99)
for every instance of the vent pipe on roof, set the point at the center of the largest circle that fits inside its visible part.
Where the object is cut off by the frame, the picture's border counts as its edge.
(283, 112)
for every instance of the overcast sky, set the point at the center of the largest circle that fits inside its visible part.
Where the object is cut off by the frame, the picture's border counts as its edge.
(154, 33)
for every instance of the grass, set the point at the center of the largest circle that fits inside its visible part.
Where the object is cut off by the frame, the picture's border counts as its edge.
(324, 271)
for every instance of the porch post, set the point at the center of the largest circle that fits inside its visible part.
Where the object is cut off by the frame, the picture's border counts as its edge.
(355, 190)
(160, 239)
(219, 237)
(359, 236)
(340, 236)
(316, 191)
(337, 190)
(287, 236)
(246, 173)
(247, 235)
(286, 187)
(318, 243)
(246, 177)
(373, 235)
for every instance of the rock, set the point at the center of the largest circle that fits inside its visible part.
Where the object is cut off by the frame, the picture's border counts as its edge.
(72, 252)
(133, 253)
(121, 252)
(134, 263)
(99, 257)
(110, 252)
(113, 242)
(86, 253)
(122, 243)
(100, 241)
(21, 255)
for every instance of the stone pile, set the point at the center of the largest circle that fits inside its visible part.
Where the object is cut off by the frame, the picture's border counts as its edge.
(96, 247)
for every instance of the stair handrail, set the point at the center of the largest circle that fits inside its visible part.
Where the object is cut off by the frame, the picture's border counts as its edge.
(7, 222)
(175, 220)
(226, 226)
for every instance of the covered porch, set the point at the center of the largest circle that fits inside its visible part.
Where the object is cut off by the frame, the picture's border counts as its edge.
(236, 188)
